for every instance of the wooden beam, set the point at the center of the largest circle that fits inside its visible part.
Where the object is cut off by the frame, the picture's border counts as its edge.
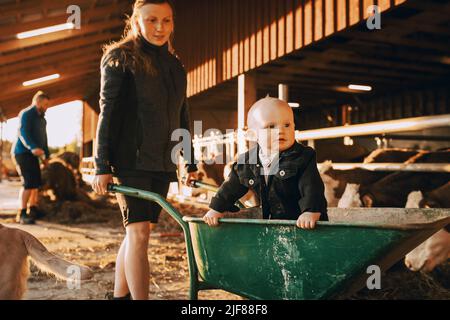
(16, 105)
(353, 67)
(57, 36)
(33, 6)
(400, 41)
(87, 12)
(394, 30)
(19, 77)
(78, 84)
(333, 73)
(58, 47)
(398, 59)
(16, 90)
(84, 53)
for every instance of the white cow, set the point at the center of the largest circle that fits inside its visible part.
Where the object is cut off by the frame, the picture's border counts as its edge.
(434, 251)
(428, 255)
(329, 183)
(350, 198)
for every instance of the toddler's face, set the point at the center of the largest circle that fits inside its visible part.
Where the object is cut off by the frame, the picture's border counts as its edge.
(275, 129)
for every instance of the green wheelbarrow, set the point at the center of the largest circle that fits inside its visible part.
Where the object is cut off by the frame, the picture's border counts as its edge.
(273, 259)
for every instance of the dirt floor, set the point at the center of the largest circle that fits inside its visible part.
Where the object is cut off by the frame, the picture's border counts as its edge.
(96, 245)
(91, 234)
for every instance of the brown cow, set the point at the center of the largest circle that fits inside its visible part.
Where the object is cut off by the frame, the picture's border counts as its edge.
(437, 198)
(436, 249)
(393, 190)
(396, 155)
(336, 181)
(431, 253)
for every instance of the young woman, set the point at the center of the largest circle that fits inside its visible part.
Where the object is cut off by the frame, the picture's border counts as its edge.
(142, 101)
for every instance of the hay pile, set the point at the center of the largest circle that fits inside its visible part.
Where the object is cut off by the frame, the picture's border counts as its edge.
(87, 207)
(399, 283)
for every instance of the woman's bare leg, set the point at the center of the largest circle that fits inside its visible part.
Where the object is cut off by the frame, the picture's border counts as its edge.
(120, 282)
(136, 260)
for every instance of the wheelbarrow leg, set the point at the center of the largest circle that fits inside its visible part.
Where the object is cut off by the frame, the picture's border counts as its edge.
(193, 290)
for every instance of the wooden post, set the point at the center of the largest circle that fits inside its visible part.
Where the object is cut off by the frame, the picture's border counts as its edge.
(83, 119)
(283, 92)
(1, 148)
(246, 97)
(2, 121)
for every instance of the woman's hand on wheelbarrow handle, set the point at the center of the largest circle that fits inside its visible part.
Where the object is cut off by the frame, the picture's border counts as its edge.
(100, 183)
(212, 217)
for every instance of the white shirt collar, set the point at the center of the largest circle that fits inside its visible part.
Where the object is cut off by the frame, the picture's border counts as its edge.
(266, 160)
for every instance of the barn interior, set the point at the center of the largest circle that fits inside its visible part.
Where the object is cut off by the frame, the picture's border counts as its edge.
(368, 82)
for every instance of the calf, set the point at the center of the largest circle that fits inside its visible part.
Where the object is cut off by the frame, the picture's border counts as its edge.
(390, 155)
(436, 249)
(437, 198)
(336, 181)
(428, 255)
(350, 198)
(393, 190)
(15, 247)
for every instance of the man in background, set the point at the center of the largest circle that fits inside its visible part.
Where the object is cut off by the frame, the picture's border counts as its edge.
(30, 146)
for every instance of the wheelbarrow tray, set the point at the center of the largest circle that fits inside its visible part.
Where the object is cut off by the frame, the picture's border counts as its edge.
(273, 259)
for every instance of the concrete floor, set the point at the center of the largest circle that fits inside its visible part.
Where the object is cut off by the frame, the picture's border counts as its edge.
(9, 191)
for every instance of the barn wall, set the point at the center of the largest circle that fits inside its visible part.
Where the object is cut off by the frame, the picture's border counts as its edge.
(235, 36)
(89, 124)
(404, 105)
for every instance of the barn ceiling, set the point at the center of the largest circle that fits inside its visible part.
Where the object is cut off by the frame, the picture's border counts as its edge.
(410, 52)
(74, 54)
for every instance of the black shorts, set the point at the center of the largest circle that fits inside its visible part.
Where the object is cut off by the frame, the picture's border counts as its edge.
(29, 170)
(139, 210)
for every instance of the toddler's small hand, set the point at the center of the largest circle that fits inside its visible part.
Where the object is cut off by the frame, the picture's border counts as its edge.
(212, 218)
(307, 220)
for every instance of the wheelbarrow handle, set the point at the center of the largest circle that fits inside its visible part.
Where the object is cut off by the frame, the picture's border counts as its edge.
(210, 187)
(150, 196)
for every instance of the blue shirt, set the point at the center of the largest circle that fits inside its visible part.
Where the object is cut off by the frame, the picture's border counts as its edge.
(32, 132)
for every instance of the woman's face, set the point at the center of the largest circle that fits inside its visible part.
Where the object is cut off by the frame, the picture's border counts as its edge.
(155, 22)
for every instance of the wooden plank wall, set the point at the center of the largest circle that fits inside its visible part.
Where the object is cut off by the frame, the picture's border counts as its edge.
(219, 39)
(89, 124)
